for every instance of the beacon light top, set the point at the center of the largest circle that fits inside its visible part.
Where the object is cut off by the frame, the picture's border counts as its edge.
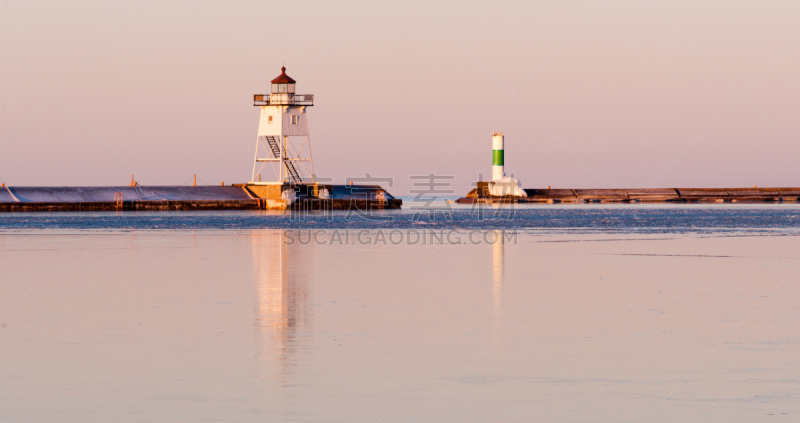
(283, 78)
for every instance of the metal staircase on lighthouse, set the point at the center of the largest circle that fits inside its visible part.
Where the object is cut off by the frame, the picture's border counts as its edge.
(283, 141)
(276, 152)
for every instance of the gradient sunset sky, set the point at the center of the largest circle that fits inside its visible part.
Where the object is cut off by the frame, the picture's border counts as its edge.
(589, 94)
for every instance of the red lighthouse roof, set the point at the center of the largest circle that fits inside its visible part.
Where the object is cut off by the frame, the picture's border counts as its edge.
(283, 78)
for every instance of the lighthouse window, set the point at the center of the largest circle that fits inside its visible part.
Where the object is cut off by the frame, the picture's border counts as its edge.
(295, 119)
(269, 119)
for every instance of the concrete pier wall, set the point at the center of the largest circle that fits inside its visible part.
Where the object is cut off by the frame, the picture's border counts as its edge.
(137, 193)
(164, 198)
(636, 195)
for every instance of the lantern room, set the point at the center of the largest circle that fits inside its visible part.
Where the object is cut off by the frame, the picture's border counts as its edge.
(283, 84)
(283, 93)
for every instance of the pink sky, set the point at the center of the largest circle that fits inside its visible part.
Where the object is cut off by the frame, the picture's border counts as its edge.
(588, 93)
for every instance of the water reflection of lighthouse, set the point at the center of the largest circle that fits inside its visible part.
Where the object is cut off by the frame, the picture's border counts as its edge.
(282, 272)
(498, 268)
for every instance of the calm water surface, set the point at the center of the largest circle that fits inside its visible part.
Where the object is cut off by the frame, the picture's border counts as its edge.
(621, 218)
(579, 315)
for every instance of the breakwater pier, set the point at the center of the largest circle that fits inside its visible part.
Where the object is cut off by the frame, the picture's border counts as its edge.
(483, 194)
(163, 198)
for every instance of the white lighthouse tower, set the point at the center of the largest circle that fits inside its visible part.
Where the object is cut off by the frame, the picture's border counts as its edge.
(498, 161)
(283, 139)
(502, 185)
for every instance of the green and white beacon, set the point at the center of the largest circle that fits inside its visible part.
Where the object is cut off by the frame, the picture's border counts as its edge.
(502, 185)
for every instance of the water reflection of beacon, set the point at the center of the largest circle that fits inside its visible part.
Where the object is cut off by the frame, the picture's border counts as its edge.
(501, 185)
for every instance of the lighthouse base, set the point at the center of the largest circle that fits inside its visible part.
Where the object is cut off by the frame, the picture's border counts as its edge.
(323, 197)
(505, 187)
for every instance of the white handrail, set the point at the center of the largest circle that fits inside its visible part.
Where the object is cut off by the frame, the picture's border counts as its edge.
(12, 195)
